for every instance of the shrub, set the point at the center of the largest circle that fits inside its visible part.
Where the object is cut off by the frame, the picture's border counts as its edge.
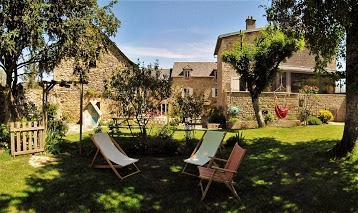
(166, 132)
(58, 126)
(238, 138)
(65, 117)
(53, 142)
(175, 121)
(325, 116)
(233, 119)
(312, 120)
(98, 129)
(216, 115)
(51, 110)
(159, 147)
(101, 123)
(4, 136)
(269, 117)
(303, 114)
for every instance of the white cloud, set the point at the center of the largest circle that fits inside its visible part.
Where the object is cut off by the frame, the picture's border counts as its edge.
(192, 50)
(152, 51)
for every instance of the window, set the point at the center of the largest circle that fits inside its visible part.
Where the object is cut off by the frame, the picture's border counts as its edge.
(214, 92)
(243, 85)
(340, 86)
(279, 83)
(216, 74)
(187, 91)
(325, 84)
(186, 74)
(164, 109)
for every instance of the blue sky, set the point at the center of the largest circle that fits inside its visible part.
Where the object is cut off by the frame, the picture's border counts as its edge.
(183, 30)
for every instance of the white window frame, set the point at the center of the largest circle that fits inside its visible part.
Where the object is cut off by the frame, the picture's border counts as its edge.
(340, 86)
(187, 74)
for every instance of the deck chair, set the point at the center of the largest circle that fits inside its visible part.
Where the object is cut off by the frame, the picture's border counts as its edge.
(113, 154)
(223, 175)
(207, 147)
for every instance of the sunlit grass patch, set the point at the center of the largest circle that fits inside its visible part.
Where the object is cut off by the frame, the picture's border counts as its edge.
(127, 200)
(176, 168)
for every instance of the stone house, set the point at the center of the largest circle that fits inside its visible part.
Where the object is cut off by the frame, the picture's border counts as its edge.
(196, 78)
(296, 72)
(95, 106)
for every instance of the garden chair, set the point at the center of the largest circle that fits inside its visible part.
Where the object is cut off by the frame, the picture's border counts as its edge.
(113, 154)
(207, 147)
(223, 175)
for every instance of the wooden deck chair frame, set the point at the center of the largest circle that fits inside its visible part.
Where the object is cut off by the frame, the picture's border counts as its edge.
(109, 163)
(224, 175)
(198, 147)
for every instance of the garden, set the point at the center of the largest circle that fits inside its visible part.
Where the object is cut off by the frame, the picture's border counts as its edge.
(284, 170)
(292, 169)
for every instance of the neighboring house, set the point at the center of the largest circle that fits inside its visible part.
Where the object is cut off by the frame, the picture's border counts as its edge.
(95, 106)
(163, 107)
(296, 72)
(196, 78)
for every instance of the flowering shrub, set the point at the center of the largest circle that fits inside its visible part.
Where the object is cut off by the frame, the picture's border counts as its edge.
(310, 89)
(325, 116)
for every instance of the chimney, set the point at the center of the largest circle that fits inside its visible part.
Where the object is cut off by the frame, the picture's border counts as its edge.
(250, 23)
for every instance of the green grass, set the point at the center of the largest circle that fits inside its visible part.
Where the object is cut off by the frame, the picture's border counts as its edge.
(284, 170)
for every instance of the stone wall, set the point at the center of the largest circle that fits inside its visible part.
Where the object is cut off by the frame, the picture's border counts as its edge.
(68, 99)
(333, 102)
(200, 85)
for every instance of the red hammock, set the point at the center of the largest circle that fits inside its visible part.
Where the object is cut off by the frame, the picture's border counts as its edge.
(280, 113)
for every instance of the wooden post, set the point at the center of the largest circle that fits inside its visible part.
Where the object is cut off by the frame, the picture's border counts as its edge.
(81, 108)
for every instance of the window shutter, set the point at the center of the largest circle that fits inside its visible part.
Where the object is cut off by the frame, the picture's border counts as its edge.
(213, 92)
(182, 92)
(235, 84)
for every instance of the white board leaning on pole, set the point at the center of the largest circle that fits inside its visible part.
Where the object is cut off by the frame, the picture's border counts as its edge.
(2, 77)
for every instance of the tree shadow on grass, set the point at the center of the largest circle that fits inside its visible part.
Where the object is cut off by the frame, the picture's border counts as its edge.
(273, 177)
(298, 177)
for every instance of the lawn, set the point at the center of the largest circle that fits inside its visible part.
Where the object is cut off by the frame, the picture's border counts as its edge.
(284, 170)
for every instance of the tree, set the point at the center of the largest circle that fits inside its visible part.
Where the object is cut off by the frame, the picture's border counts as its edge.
(138, 90)
(257, 63)
(188, 106)
(330, 29)
(31, 76)
(45, 32)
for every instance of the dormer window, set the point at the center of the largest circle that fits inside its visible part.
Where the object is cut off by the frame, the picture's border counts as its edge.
(186, 74)
(215, 73)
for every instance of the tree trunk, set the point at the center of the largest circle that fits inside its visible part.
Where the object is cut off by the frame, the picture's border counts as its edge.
(258, 114)
(350, 133)
(9, 110)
